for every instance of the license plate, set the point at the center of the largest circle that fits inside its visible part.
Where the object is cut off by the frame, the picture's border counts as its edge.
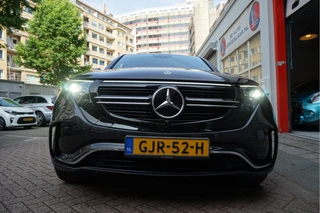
(175, 147)
(27, 119)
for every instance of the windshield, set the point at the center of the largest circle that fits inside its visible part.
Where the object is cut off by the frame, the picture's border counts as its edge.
(6, 102)
(161, 60)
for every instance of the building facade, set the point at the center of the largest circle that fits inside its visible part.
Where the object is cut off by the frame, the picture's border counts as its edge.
(256, 39)
(8, 69)
(205, 14)
(161, 29)
(106, 39)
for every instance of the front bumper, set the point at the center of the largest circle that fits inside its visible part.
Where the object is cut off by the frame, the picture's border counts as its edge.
(79, 145)
(17, 120)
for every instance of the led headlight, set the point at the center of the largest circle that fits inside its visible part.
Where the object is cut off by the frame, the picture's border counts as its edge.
(315, 98)
(79, 90)
(10, 112)
(252, 96)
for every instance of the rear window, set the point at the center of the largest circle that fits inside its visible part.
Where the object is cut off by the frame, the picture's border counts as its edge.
(161, 60)
(41, 100)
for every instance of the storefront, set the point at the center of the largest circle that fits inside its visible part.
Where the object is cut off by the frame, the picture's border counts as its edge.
(250, 39)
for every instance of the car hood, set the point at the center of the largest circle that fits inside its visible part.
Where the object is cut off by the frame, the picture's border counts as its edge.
(175, 74)
(18, 109)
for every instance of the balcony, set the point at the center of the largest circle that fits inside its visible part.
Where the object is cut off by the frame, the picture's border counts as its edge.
(109, 58)
(109, 35)
(86, 25)
(110, 47)
(11, 48)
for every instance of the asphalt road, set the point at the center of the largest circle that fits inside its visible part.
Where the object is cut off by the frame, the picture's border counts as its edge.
(28, 183)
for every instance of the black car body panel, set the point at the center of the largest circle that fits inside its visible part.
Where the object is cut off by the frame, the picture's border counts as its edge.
(88, 133)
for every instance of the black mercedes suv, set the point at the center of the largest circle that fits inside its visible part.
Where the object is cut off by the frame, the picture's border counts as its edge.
(162, 115)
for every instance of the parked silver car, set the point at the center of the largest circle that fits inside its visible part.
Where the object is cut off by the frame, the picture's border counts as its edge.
(42, 105)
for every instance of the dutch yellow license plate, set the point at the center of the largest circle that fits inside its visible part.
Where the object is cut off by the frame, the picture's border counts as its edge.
(27, 119)
(175, 147)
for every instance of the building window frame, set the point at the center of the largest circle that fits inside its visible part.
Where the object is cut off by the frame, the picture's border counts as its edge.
(1, 54)
(94, 61)
(1, 74)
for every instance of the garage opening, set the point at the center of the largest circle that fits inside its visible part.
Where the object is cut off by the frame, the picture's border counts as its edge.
(303, 66)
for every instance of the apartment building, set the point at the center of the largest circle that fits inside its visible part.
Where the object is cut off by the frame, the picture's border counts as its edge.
(205, 14)
(8, 69)
(161, 29)
(106, 39)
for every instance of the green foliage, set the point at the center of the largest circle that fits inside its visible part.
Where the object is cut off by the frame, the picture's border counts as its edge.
(56, 42)
(10, 14)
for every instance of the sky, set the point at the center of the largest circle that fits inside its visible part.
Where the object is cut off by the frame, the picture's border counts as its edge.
(119, 7)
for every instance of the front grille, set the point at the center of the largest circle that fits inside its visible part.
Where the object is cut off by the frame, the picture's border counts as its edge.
(134, 100)
(25, 113)
(26, 120)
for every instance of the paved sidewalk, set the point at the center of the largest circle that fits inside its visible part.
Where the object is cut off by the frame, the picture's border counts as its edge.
(302, 147)
(28, 183)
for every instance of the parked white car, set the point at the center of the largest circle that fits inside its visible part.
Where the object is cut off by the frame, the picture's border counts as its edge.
(13, 114)
(42, 105)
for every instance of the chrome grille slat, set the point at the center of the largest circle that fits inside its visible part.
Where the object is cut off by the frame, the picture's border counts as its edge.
(132, 99)
(126, 103)
(211, 105)
(122, 97)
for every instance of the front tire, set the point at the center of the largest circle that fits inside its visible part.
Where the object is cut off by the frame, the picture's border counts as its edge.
(2, 124)
(73, 177)
(41, 120)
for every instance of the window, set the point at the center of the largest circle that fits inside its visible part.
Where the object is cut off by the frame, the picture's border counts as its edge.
(119, 44)
(256, 74)
(14, 41)
(101, 63)
(33, 79)
(1, 74)
(1, 54)
(28, 10)
(41, 100)
(95, 36)
(243, 57)
(131, 41)
(225, 63)
(1, 37)
(94, 61)
(94, 48)
(234, 63)
(94, 23)
(131, 50)
(101, 50)
(101, 26)
(101, 38)
(255, 55)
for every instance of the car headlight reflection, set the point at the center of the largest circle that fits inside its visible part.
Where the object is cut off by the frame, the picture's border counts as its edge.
(79, 90)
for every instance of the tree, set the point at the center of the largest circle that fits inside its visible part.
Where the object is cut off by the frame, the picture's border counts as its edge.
(10, 14)
(56, 42)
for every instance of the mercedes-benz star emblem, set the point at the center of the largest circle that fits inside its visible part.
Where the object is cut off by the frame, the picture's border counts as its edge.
(167, 72)
(168, 102)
